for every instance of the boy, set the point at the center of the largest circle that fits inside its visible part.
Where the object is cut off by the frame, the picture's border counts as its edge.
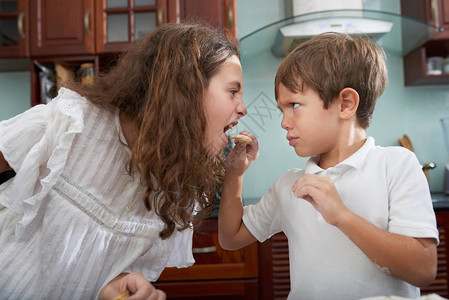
(359, 217)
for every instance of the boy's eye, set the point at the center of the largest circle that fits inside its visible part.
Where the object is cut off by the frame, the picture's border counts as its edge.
(296, 105)
(233, 92)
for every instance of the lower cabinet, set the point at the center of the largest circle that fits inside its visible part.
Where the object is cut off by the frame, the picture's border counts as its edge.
(217, 273)
(274, 268)
(440, 285)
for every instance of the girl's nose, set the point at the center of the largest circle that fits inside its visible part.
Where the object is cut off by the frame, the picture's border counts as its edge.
(241, 109)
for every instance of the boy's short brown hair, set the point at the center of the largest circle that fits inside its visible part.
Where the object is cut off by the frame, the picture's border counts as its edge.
(333, 61)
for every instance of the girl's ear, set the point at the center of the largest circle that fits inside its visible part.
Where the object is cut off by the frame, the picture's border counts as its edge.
(349, 102)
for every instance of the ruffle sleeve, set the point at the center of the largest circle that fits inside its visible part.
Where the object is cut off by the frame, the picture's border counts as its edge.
(179, 249)
(36, 144)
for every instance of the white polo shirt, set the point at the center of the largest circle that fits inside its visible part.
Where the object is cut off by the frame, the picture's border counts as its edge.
(384, 185)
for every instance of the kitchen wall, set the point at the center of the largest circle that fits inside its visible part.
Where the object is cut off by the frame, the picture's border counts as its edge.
(14, 93)
(412, 110)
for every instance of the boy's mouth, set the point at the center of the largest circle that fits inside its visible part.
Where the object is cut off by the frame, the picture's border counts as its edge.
(291, 140)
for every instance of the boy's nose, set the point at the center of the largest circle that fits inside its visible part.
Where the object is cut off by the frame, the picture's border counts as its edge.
(285, 123)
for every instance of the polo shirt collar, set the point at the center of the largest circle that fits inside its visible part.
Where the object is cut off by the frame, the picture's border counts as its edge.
(356, 160)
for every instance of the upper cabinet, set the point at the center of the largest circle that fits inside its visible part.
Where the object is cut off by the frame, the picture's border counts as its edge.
(62, 27)
(14, 24)
(121, 22)
(218, 13)
(44, 28)
(426, 65)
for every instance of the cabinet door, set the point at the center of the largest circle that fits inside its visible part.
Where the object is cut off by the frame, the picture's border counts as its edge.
(119, 23)
(440, 285)
(62, 27)
(217, 13)
(14, 29)
(217, 273)
(274, 268)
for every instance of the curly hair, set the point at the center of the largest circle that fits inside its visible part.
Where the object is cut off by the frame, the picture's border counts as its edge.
(160, 83)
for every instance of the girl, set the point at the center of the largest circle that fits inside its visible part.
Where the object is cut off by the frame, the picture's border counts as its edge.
(109, 177)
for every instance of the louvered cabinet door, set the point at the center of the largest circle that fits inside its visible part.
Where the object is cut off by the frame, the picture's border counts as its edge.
(440, 285)
(274, 268)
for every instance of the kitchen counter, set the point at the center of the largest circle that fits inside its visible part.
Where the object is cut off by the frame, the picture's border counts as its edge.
(440, 201)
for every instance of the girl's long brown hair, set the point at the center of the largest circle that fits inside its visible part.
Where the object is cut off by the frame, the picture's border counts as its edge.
(160, 84)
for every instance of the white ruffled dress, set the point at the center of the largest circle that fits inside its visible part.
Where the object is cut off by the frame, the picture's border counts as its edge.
(72, 218)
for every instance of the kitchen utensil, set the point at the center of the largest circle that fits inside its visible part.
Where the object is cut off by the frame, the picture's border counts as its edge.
(406, 142)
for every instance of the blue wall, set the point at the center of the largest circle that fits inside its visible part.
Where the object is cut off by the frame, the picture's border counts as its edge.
(14, 93)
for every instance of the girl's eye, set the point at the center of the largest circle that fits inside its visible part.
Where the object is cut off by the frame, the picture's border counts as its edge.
(296, 105)
(233, 92)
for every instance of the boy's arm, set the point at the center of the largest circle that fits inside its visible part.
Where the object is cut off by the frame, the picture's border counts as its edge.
(413, 260)
(232, 232)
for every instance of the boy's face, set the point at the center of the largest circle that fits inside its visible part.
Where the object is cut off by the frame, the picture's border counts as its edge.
(311, 129)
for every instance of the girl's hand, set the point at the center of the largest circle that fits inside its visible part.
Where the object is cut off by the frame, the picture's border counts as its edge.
(242, 155)
(138, 286)
(320, 191)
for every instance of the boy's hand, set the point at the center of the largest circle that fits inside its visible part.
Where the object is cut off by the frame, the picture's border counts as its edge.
(242, 155)
(320, 191)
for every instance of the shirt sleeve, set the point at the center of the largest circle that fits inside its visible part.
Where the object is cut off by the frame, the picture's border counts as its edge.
(176, 251)
(411, 209)
(20, 133)
(263, 219)
(36, 144)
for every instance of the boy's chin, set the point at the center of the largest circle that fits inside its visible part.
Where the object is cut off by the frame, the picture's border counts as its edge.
(302, 153)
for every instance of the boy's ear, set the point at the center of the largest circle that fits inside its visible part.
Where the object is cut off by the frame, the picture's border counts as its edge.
(349, 102)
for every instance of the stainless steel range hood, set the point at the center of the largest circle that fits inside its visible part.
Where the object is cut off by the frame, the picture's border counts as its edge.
(397, 34)
(290, 36)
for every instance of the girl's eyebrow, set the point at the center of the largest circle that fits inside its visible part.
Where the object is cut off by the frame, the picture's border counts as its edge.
(236, 83)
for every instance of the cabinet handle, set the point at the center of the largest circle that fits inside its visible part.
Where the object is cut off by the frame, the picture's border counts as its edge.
(86, 22)
(230, 16)
(434, 12)
(160, 15)
(204, 250)
(20, 25)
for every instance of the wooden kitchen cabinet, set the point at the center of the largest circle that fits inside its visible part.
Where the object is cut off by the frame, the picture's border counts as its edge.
(218, 13)
(217, 273)
(274, 268)
(120, 23)
(62, 27)
(440, 285)
(436, 13)
(14, 28)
